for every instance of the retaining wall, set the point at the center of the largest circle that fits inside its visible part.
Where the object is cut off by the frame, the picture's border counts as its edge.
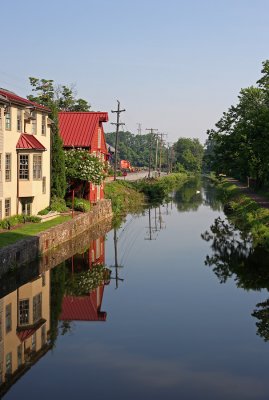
(27, 250)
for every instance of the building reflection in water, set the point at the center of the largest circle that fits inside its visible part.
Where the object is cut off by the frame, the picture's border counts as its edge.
(82, 300)
(28, 310)
(24, 328)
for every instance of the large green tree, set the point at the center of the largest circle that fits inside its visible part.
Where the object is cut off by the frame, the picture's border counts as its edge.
(189, 154)
(239, 145)
(57, 98)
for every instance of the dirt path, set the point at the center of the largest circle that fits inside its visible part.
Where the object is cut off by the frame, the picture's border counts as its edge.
(262, 201)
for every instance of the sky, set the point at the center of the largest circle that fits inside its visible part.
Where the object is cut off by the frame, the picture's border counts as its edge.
(174, 65)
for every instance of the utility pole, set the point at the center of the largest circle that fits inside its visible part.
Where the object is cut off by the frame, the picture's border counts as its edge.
(118, 123)
(150, 146)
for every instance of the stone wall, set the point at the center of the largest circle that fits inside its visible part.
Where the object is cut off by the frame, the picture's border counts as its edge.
(27, 250)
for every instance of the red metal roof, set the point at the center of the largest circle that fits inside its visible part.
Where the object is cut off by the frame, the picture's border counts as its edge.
(81, 309)
(13, 97)
(77, 128)
(29, 142)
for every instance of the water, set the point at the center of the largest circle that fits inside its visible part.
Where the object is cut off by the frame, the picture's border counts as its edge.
(174, 321)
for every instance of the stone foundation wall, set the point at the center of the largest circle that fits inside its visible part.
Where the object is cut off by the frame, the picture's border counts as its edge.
(27, 250)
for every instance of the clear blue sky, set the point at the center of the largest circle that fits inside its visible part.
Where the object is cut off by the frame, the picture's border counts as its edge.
(175, 65)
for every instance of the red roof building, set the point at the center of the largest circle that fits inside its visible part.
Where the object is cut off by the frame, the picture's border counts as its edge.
(85, 130)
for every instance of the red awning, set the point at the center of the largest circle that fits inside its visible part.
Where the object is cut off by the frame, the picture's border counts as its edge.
(29, 142)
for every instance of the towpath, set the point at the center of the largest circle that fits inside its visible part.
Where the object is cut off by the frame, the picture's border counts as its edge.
(261, 200)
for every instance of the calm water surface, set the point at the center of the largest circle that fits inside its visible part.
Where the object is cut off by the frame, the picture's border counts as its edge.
(173, 321)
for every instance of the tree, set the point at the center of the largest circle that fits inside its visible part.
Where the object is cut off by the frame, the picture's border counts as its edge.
(240, 142)
(57, 98)
(189, 154)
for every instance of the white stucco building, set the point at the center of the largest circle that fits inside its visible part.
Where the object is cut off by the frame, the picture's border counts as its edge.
(25, 148)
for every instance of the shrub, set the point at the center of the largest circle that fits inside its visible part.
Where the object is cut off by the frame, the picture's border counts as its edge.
(9, 222)
(45, 211)
(79, 204)
(57, 204)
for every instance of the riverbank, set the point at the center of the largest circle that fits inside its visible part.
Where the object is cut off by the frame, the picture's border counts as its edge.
(247, 210)
(133, 196)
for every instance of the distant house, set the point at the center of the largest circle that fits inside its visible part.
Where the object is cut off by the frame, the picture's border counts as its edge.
(85, 130)
(24, 155)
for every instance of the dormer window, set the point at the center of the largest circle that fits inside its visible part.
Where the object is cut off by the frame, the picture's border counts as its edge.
(43, 125)
(19, 119)
(8, 118)
(33, 118)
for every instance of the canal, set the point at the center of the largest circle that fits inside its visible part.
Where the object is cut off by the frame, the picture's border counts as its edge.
(180, 311)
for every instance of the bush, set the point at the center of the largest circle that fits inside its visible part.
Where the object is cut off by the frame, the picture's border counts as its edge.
(79, 204)
(57, 204)
(45, 211)
(9, 222)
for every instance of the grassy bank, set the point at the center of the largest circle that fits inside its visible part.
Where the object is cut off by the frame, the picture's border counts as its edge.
(132, 196)
(125, 198)
(245, 213)
(30, 229)
(158, 189)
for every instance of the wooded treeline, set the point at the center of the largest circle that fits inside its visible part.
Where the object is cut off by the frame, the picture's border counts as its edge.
(239, 145)
(184, 155)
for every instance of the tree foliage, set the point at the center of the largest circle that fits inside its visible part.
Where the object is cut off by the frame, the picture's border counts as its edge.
(135, 148)
(239, 145)
(57, 98)
(189, 154)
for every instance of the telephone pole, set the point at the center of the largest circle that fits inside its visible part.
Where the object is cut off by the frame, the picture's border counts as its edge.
(150, 146)
(118, 123)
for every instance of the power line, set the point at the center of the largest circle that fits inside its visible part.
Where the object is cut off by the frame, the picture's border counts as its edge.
(118, 123)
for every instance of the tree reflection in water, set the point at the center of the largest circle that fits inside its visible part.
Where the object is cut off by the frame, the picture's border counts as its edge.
(234, 256)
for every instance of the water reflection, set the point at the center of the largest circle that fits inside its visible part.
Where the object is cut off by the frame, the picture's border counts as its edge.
(24, 328)
(37, 305)
(233, 256)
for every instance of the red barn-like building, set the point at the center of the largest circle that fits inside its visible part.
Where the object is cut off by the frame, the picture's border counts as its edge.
(84, 130)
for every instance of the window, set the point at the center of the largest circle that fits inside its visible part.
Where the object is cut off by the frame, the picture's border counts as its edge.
(37, 166)
(24, 312)
(8, 318)
(43, 335)
(44, 185)
(37, 307)
(33, 115)
(7, 207)
(8, 167)
(9, 363)
(43, 125)
(19, 119)
(24, 166)
(8, 118)
(19, 355)
(99, 138)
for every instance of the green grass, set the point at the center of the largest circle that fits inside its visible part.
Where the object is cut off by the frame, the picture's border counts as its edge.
(30, 229)
(246, 214)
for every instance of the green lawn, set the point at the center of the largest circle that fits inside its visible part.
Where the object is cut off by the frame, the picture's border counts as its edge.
(29, 229)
